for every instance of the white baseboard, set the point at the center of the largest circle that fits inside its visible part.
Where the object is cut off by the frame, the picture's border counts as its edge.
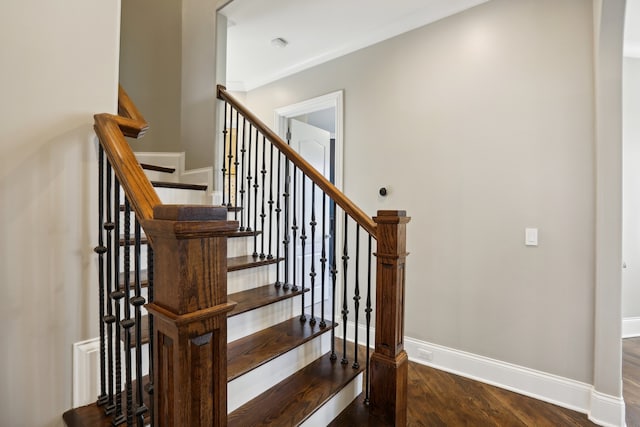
(86, 372)
(605, 410)
(631, 327)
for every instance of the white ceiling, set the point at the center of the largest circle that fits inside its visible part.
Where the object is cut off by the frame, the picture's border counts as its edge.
(321, 30)
(317, 31)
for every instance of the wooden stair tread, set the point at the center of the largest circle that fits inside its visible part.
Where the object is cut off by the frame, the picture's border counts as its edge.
(259, 297)
(157, 168)
(93, 415)
(143, 240)
(243, 233)
(254, 350)
(248, 261)
(294, 399)
(144, 279)
(179, 185)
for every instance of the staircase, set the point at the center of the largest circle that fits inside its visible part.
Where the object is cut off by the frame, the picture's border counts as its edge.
(270, 330)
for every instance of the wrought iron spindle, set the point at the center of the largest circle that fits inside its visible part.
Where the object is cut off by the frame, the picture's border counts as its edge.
(312, 273)
(323, 260)
(256, 186)
(368, 311)
(116, 296)
(303, 244)
(263, 214)
(249, 178)
(345, 307)
(110, 319)
(294, 230)
(150, 388)
(278, 210)
(286, 196)
(243, 150)
(101, 249)
(224, 153)
(127, 323)
(235, 168)
(229, 155)
(270, 203)
(138, 301)
(334, 279)
(356, 299)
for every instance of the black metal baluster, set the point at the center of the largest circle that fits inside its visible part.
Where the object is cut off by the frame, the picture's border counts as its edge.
(356, 299)
(116, 296)
(303, 244)
(127, 323)
(224, 153)
(138, 301)
(256, 186)
(368, 311)
(101, 249)
(294, 230)
(312, 274)
(323, 260)
(286, 196)
(270, 254)
(110, 319)
(248, 227)
(263, 214)
(235, 169)
(243, 150)
(230, 155)
(334, 279)
(149, 388)
(278, 210)
(345, 307)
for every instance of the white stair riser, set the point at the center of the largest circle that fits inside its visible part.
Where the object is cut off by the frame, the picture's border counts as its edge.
(239, 246)
(261, 318)
(177, 196)
(253, 383)
(242, 280)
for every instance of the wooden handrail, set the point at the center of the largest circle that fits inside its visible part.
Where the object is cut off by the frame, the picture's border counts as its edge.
(111, 131)
(338, 196)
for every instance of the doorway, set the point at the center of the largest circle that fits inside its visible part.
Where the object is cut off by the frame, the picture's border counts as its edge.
(313, 128)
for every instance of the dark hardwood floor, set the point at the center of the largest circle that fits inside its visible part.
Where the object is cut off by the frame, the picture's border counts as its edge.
(631, 380)
(437, 398)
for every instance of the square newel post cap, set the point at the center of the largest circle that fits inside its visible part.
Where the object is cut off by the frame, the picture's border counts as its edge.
(392, 217)
(190, 213)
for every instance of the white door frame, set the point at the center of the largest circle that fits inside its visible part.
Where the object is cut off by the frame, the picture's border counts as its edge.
(330, 100)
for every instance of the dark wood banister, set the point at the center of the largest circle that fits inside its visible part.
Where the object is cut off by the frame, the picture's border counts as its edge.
(338, 196)
(111, 131)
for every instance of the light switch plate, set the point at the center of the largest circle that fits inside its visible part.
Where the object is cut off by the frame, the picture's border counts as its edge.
(531, 236)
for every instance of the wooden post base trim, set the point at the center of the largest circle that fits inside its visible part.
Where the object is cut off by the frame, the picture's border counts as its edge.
(185, 319)
(389, 387)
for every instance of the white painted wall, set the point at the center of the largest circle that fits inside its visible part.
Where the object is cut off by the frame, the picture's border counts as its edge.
(631, 186)
(483, 124)
(59, 67)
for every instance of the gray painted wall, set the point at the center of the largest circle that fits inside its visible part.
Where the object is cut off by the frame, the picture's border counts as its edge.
(631, 186)
(482, 124)
(168, 66)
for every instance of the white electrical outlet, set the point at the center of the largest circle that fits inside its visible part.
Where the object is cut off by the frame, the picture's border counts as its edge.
(425, 354)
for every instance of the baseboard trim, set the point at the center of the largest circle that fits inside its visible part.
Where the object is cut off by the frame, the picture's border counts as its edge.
(86, 372)
(631, 327)
(601, 408)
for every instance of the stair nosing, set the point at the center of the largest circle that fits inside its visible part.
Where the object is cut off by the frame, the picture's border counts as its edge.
(286, 295)
(273, 355)
(179, 185)
(248, 261)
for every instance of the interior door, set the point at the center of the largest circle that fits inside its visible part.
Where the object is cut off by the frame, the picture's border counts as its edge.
(314, 145)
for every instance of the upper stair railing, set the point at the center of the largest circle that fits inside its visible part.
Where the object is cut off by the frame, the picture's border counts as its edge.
(298, 214)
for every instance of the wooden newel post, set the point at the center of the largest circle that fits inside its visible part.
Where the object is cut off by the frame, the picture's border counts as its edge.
(389, 360)
(190, 314)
